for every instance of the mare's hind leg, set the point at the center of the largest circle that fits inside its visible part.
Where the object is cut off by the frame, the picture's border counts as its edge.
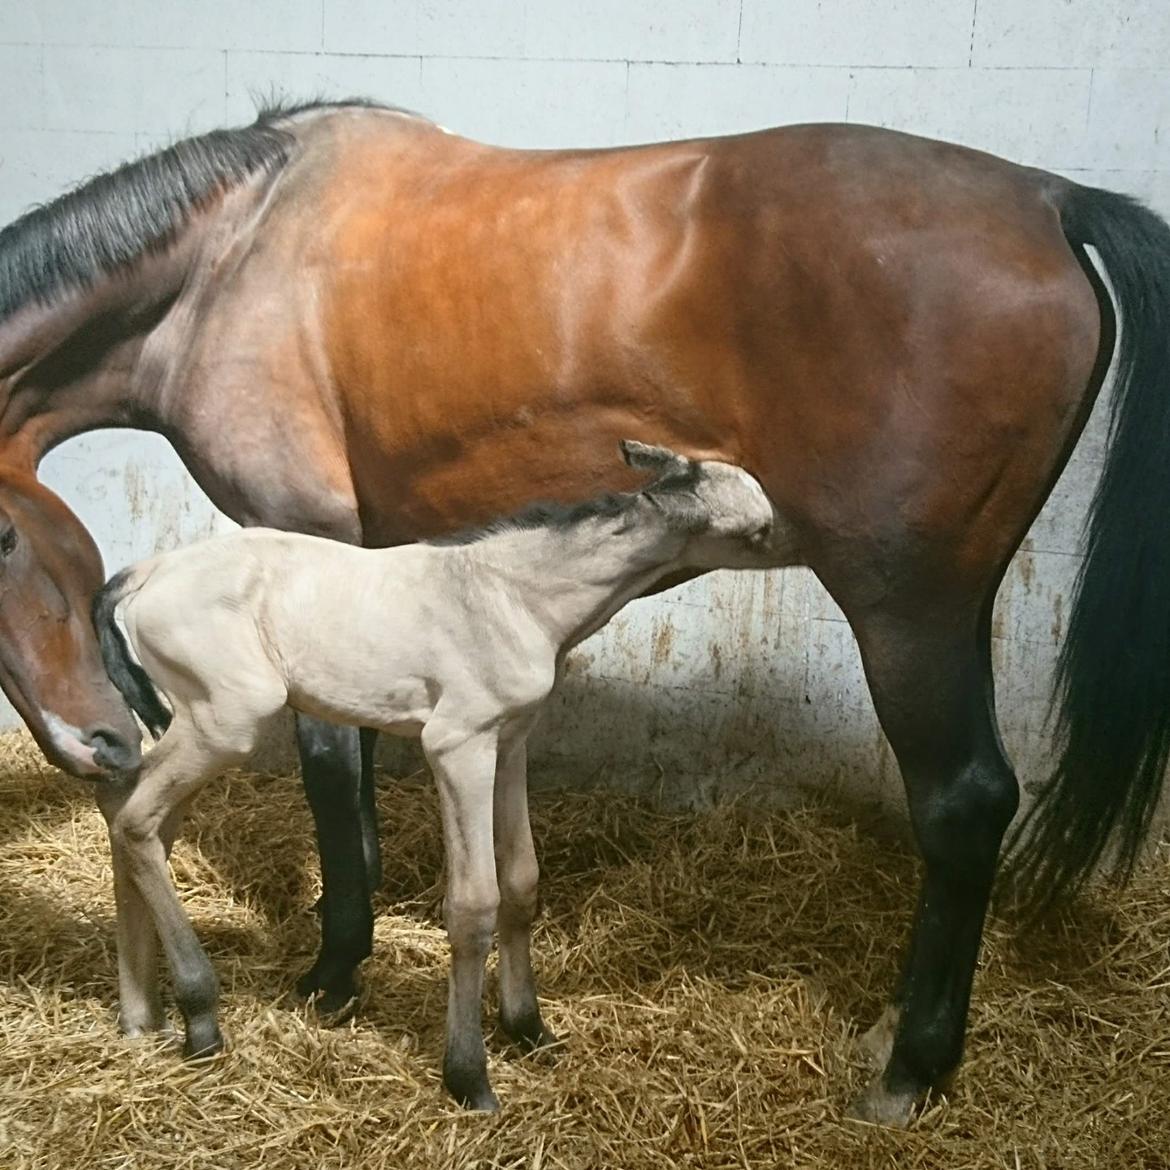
(930, 676)
(517, 873)
(331, 763)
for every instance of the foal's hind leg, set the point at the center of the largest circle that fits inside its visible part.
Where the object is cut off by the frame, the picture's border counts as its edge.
(465, 769)
(517, 873)
(930, 676)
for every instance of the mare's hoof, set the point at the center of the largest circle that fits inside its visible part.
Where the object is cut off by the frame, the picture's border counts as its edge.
(333, 1004)
(204, 1040)
(882, 1106)
(877, 1044)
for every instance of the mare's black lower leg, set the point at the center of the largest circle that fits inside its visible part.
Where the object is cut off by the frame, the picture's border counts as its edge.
(931, 683)
(331, 767)
(368, 811)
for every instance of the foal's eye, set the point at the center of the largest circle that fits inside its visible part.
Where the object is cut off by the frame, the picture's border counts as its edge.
(760, 535)
(7, 541)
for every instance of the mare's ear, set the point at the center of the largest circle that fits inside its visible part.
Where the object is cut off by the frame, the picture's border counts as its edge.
(644, 457)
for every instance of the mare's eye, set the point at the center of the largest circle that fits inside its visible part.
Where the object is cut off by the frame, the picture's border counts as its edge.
(7, 541)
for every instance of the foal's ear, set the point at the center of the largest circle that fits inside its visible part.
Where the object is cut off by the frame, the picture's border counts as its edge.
(644, 457)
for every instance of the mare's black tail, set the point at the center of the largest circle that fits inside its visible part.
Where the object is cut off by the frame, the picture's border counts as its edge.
(1113, 679)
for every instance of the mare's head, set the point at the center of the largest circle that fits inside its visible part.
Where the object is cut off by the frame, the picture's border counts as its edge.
(50, 663)
(724, 513)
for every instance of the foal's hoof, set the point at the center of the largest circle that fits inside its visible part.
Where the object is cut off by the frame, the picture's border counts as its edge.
(480, 1100)
(204, 1040)
(882, 1106)
(160, 1029)
(469, 1086)
(530, 1034)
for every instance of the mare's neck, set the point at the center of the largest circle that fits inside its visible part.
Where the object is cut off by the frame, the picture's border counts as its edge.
(95, 357)
(574, 579)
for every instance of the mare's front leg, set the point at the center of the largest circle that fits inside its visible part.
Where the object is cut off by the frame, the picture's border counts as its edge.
(930, 676)
(338, 778)
(336, 762)
(517, 873)
(465, 769)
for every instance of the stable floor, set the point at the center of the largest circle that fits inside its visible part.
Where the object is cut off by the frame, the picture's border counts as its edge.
(708, 974)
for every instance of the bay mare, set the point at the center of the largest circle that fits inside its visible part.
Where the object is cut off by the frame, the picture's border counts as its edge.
(459, 643)
(350, 323)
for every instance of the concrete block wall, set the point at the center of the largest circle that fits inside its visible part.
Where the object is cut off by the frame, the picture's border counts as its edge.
(734, 679)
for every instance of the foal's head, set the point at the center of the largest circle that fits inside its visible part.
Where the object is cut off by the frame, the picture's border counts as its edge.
(726, 516)
(50, 665)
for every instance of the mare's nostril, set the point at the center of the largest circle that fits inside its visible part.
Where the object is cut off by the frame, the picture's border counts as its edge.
(112, 750)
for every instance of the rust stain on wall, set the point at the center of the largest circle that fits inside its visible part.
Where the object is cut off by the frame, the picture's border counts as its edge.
(138, 495)
(663, 641)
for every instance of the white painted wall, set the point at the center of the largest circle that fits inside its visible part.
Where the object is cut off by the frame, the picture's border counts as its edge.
(731, 679)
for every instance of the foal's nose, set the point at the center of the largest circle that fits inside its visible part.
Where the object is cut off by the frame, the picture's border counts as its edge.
(112, 749)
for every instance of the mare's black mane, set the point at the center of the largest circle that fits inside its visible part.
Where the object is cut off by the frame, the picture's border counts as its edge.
(111, 220)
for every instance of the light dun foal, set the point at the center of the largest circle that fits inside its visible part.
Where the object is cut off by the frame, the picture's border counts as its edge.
(459, 641)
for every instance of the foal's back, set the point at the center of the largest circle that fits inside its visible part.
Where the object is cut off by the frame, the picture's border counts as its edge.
(371, 636)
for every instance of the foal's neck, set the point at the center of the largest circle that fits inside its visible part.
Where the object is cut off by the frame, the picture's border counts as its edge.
(574, 579)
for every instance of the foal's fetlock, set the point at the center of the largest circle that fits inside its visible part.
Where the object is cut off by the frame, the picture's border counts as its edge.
(197, 997)
(466, 1080)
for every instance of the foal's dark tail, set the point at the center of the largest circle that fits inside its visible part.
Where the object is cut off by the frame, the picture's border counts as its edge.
(125, 673)
(1113, 676)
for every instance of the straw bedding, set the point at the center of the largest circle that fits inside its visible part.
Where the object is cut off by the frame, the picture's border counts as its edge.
(707, 972)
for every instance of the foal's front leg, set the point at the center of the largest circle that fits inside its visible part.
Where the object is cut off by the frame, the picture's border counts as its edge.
(464, 769)
(141, 832)
(140, 1008)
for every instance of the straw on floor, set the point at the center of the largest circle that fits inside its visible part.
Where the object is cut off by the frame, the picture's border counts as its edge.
(708, 974)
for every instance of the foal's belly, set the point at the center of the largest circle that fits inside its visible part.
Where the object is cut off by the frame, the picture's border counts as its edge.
(403, 709)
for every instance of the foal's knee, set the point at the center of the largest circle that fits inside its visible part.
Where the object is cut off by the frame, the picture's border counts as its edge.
(470, 921)
(135, 838)
(518, 889)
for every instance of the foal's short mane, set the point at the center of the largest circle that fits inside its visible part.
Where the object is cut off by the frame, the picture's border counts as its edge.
(111, 220)
(558, 517)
